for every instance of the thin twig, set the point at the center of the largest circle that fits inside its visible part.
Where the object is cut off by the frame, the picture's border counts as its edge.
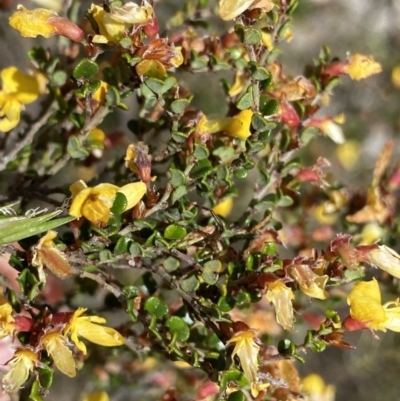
(27, 140)
(163, 203)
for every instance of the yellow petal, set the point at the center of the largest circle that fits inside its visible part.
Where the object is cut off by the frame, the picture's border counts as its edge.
(32, 23)
(365, 304)
(239, 127)
(132, 13)
(101, 335)
(238, 84)
(133, 192)
(97, 396)
(281, 297)
(230, 9)
(223, 208)
(212, 126)
(361, 66)
(77, 187)
(25, 87)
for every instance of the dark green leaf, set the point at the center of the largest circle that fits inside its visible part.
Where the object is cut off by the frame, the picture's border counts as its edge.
(85, 69)
(120, 203)
(178, 328)
(154, 306)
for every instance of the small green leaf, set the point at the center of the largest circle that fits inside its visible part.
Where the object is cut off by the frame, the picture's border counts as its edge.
(120, 203)
(178, 106)
(135, 249)
(245, 101)
(178, 193)
(190, 284)
(29, 284)
(122, 245)
(177, 177)
(45, 376)
(75, 149)
(201, 152)
(85, 69)
(225, 304)
(178, 328)
(171, 264)
(174, 231)
(237, 396)
(59, 78)
(154, 306)
(210, 272)
(252, 36)
(35, 392)
(130, 292)
(268, 107)
(240, 173)
(201, 169)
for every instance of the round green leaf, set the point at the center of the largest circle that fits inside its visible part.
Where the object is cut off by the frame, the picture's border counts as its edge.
(178, 328)
(237, 396)
(85, 69)
(155, 307)
(173, 231)
(210, 271)
(190, 283)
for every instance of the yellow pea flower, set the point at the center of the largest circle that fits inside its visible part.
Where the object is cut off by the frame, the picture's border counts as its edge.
(247, 351)
(315, 389)
(131, 13)
(309, 282)
(18, 89)
(230, 9)
(55, 345)
(236, 127)
(31, 23)
(224, 207)
(238, 84)
(239, 126)
(46, 254)
(360, 66)
(89, 328)
(101, 92)
(281, 297)
(365, 307)
(97, 396)
(109, 29)
(21, 365)
(95, 203)
(7, 325)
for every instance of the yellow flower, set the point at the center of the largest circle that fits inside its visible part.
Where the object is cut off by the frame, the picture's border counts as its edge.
(310, 283)
(95, 203)
(236, 127)
(177, 60)
(7, 325)
(238, 84)
(360, 66)
(97, 396)
(114, 24)
(18, 89)
(315, 389)
(89, 327)
(281, 297)
(101, 92)
(223, 208)
(31, 23)
(46, 254)
(230, 9)
(247, 351)
(131, 13)
(386, 259)
(55, 345)
(21, 365)
(239, 127)
(365, 307)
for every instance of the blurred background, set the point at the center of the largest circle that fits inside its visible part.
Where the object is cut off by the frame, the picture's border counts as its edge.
(372, 371)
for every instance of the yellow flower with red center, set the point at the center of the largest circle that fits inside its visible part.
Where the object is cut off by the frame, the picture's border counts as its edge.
(31, 23)
(55, 345)
(23, 362)
(247, 351)
(360, 66)
(18, 89)
(95, 203)
(7, 325)
(89, 327)
(281, 297)
(365, 307)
